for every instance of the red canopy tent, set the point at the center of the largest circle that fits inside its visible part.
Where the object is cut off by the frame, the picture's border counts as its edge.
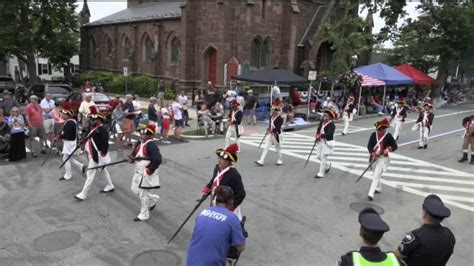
(417, 75)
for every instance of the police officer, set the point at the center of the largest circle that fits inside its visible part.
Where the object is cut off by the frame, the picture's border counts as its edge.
(372, 228)
(432, 243)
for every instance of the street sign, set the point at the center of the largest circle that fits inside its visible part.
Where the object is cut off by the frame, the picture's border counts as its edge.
(312, 75)
(125, 71)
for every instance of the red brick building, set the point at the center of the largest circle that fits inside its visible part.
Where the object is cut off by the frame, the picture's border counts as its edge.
(198, 41)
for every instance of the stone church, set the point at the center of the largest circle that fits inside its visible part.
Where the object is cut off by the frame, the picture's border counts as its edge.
(199, 41)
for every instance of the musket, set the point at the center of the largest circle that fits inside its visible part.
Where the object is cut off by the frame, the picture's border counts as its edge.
(52, 144)
(119, 162)
(74, 151)
(203, 198)
(309, 156)
(261, 142)
(368, 167)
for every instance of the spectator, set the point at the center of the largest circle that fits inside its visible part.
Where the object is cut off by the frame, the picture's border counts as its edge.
(229, 96)
(238, 89)
(183, 100)
(17, 136)
(216, 229)
(129, 122)
(161, 92)
(34, 119)
(48, 105)
(205, 119)
(152, 112)
(138, 110)
(118, 117)
(211, 96)
(8, 103)
(84, 109)
(88, 86)
(23, 98)
(199, 99)
(217, 114)
(295, 97)
(114, 102)
(165, 123)
(288, 111)
(249, 108)
(58, 125)
(4, 137)
(177, 109)
(375, 104)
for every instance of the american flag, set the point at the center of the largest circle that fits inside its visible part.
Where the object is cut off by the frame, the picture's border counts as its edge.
(368, 81)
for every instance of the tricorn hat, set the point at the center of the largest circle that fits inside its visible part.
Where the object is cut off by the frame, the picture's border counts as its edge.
(331, 113)
(229, 153)
(149, 130)
(95, 114)
(69, 112)
(384, 123)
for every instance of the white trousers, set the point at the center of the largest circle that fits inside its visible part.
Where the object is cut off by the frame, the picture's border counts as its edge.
(269, 140)
(322, 153)
(90, 178)
(231, 133)
(147, 199)
(397, 124)
(378, 167)
(347, 120)
(67, 166)
(424, 132)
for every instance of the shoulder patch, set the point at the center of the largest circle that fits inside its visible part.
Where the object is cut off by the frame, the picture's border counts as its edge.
(408, 238)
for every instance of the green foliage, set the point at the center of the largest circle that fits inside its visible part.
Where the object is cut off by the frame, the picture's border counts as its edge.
(142, 85)
(346, 37)
(49, 28)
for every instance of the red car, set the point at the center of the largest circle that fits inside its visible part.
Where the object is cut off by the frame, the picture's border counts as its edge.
(101, 100)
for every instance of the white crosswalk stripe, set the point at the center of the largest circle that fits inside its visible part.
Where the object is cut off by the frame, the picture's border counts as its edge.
(404, 173)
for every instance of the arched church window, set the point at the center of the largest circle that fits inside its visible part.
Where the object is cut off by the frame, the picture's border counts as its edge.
(266, 53)
(256, 52)
(149, 49)
(175, 51)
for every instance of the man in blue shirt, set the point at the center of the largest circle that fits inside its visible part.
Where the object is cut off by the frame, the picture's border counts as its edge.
(215, 231)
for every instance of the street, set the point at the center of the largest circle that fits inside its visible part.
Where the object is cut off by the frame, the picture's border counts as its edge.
(292, 218)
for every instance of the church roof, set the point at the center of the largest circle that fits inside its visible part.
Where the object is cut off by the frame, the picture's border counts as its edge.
(143, 12)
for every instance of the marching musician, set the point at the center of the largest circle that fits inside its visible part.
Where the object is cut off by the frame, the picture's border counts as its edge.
(348, 114)
(147, 158)
(235, 128)
(381, 144)
(468, 138)
(69, 138)
(273, 135)
(425, 123)
(326, 143)
(399, 113)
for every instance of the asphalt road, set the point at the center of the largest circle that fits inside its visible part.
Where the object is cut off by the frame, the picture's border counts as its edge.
(292, 218)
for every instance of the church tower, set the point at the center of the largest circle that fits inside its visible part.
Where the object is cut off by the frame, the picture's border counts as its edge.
(85, 14)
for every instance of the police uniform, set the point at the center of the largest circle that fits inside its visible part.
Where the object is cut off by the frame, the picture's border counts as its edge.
(326, 142)
(398, 115)
(348, 115)
(431, 244)
(228, 177)
(273, 136)
(69, 138)
(425, 123)
(97, 147)
(468, 138)
(235, 128)
(370, 221)
(380, 142)
(146, 176)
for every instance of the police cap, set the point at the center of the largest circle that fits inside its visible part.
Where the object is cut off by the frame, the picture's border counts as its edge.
(435, 207)
(370, 220)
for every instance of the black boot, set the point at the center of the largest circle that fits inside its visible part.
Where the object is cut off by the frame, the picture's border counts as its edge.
(472, 159)
(464, 157)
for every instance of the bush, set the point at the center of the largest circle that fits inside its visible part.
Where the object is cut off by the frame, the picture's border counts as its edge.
(144, 86)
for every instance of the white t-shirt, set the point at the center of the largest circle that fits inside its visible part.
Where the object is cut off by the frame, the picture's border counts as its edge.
(230, 95)
(137, 106)
(47, 104)
(183, 100)
(177, 112)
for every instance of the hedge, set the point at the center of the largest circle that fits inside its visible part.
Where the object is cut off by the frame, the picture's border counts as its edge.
(144, 86)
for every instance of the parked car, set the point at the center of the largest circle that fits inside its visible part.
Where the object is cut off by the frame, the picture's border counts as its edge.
(57, 90)
(7, 83)
(101, 100)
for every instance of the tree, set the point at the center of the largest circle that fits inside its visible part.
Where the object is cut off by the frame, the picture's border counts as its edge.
(439, 40)
(48, 28)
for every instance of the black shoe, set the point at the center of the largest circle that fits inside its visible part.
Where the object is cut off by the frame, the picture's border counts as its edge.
(426, 146)
(420, 147)
(327, 170)
(464, 158)
(83, 170)
(342, 133)
(396, 138)
(258, 163)
(62, 178)
(370, 198)
(152, 207)
(136, 219)
(317, 176)
(188, 125)
(43, 151)
(33, 154)
(107, 191)
(79, 199)
(377, 192)
(472, 159)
